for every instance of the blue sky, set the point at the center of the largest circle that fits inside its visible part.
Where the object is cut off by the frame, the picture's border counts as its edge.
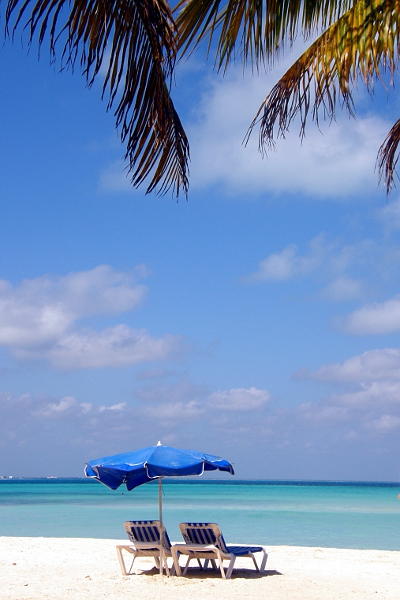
(258, 321)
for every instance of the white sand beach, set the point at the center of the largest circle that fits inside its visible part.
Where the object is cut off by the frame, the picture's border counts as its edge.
(37, 568)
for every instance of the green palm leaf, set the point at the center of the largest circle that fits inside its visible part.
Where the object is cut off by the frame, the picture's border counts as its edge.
(136, 40)
(363, 43)
(255, 30)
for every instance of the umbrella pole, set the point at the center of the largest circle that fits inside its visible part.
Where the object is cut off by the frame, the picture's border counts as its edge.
(160, 519)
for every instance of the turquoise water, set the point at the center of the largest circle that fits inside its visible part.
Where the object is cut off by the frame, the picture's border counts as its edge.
(330, 514)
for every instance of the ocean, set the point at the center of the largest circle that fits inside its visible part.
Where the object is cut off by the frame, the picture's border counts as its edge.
(295, 513)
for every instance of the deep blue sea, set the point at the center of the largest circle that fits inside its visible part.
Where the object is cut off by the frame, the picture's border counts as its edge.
(325, 514)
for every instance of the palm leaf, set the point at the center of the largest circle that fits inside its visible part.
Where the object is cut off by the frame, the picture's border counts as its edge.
(363, 43)
(388, 156)
(140, 37)
(256, 30)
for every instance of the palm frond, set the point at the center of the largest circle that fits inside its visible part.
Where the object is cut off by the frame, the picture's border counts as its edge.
(136, 41)
(256, 30)
(388, 157)
(363, 43)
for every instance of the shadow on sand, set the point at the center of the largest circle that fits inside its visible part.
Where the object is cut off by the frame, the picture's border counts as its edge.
(196, 573)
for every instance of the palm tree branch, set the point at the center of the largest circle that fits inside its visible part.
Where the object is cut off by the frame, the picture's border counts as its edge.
(388, 157)
(254, 29)
(363, 43)
(135, 41)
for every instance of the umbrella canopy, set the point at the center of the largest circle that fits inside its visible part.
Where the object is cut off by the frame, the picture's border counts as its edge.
(155, 462)
(141, 466)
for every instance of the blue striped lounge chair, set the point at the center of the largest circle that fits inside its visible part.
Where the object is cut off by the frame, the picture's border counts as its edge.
(144, 537)
(205, 541)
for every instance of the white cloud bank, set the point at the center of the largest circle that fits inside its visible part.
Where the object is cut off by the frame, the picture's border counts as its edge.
(39, 320)
(328, 437)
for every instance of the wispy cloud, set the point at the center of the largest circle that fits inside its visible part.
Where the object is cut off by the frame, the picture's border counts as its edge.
(115, 178)
(288, 264)
(368, 401)
(39, 320)
(390, 214)
(187, 401)
(341, 272)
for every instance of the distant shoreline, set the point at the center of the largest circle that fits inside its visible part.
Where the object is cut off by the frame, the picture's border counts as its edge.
(225, 481)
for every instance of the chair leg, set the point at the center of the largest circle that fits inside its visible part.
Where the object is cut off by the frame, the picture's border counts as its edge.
(164, 563)
(230, 568)
(122, 562)
(187, 565)
(255, 562)
(176, 567)
(264, 561)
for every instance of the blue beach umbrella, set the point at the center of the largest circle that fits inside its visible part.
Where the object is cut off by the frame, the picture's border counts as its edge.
(155, 462)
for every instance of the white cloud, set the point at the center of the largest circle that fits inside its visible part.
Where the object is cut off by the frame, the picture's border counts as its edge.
(121, 406)
(174, 412)
(117, 346)
(279, 266)
(39, 320)
(373, 365)
(377, 318)
(65, 407)
(375, 394)
(239, 399)
(338, 163)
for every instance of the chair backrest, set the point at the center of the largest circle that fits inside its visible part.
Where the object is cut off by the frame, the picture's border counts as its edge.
(203, 533)
(147, 531)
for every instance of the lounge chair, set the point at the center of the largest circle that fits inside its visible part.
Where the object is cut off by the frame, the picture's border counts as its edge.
(145, 541)
(205, 541)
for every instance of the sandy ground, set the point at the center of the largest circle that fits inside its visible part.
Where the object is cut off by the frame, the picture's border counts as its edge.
(40, 568)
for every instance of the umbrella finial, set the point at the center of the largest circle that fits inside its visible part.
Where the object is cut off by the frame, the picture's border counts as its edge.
(159, 443)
